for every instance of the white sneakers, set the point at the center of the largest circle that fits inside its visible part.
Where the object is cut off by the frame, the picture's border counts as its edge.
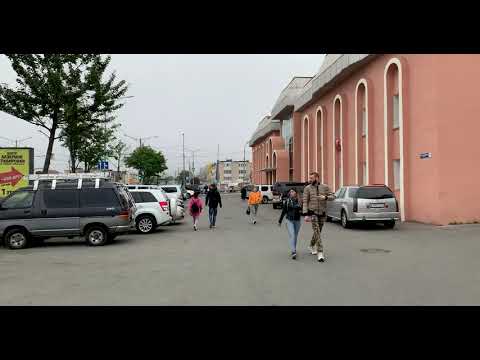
(314, 251)
(195, 227)
(321, 258)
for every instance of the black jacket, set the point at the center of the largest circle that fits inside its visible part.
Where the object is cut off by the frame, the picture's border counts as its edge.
(213, 199)
(291, 208)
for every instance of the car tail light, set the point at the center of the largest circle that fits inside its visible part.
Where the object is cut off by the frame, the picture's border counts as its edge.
(124, 215)
(355, 204)
(164, 205)
(396, 203)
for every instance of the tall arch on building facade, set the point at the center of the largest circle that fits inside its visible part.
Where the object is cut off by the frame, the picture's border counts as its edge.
(274, 166)
(319, 144)
(305, 148)
(397, 63)
(363, 103)
(337, 171)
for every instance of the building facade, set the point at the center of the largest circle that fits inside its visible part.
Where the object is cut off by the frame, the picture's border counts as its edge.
(232, 172)
(405, 120)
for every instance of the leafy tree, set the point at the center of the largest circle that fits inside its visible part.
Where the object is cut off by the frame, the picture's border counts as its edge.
(45, 83)
(118, 151)
(94, 147)
(147, 161)
(99, 99)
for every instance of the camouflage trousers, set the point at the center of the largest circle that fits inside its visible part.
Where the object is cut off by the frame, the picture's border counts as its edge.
(317, 226)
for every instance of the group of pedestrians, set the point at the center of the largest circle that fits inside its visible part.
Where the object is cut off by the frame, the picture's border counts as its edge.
(312, 206)
(212, 200)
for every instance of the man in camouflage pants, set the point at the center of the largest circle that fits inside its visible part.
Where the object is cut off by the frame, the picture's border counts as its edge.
(315, 197)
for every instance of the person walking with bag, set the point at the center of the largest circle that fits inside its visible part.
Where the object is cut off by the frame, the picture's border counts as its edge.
(315, 197)
(195, 206)
(292, 209)
(254, 199)
(212, 200)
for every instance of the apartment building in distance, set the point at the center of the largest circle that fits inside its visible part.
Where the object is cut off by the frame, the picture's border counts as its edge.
(232, 172)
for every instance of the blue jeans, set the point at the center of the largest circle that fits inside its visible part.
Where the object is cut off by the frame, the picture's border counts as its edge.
(293, 227)
(212, 215)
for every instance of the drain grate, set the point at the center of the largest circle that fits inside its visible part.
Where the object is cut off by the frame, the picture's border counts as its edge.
(375, 251)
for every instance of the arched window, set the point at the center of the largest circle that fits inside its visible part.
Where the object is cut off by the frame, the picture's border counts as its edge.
(394, 127)
(319, 144)
(337, 154)
(306, 149)
(361, 134)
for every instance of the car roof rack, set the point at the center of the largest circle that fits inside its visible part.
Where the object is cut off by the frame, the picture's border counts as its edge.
(65, 177)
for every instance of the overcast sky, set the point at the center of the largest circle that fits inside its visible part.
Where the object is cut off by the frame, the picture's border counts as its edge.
(214, 99)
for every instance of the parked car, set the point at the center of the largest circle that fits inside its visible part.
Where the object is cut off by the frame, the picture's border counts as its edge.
(173, 191)
(280, 191)
(267, 193)
(153, 209)
(99, 211)
(372, 203)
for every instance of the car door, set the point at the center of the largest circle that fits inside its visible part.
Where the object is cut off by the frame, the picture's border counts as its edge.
(17, 209)
(57, 213)
(340, 201)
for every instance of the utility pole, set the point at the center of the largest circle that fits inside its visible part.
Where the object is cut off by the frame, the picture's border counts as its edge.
(217, 168)
(183, 146)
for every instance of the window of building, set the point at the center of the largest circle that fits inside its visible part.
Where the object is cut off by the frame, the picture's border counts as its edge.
(396, 174)
(60, 199)
(396, 111)
(227, 171)
(242, 171)
(290, 153)
(287, 131)
(19, 200)
(364, 121)
(364, 169)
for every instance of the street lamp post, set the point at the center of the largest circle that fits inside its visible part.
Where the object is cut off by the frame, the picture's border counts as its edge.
(245, 170)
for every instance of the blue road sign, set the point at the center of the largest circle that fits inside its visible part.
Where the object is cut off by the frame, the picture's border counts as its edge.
(103, 165)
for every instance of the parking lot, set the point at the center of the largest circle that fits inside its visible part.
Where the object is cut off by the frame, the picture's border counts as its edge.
(243, 264)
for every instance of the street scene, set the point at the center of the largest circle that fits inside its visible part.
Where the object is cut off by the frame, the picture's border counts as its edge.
(239, 263)
(316, 180)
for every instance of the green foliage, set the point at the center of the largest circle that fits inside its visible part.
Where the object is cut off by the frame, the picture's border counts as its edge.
(148, 162)
(44, 84)
(63, 92)
(118, 151)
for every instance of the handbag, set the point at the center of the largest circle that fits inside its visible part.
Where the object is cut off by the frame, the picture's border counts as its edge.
(248, 210)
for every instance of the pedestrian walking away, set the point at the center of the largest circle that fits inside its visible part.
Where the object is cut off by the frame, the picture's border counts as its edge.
(292, 209)
(315, 197)
(254, 199)
(213, 200)
(195, 207)
(243, 193)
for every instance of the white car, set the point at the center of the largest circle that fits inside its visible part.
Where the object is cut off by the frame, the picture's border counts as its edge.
(153, 209)
(172, 191)
(267, 193)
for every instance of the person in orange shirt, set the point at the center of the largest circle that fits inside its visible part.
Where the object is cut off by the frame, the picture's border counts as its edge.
(254, 199)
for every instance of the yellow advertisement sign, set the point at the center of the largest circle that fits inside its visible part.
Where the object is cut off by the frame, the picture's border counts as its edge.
(15, 164)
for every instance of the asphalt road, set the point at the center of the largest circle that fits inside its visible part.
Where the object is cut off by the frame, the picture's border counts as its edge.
(243, 264)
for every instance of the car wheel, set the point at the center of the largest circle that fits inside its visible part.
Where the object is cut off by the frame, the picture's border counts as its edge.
(265, 200)
(345, 222)
(145, 224)
(389, 224)
(96, 236)
(16, 239)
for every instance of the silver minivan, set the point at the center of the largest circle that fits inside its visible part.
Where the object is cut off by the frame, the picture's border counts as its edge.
(371, 203)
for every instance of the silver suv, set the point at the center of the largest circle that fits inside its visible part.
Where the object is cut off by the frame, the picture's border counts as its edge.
(98, 211)
(373, 203)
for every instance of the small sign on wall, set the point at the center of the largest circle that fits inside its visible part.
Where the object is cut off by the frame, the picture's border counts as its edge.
(425, 155)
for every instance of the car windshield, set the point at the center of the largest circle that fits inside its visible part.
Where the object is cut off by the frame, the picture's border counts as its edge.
(375, 192)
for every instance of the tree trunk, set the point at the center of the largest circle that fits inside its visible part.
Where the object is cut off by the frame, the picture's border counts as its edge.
(51, 140)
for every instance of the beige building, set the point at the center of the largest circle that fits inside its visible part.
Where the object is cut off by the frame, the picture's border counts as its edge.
(231, 172)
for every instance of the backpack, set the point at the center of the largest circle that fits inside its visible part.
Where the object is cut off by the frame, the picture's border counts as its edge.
(195, 208)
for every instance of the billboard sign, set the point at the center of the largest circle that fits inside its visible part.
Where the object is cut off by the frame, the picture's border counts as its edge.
(15, 164)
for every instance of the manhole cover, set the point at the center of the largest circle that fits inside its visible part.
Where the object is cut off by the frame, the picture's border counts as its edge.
(375, 251)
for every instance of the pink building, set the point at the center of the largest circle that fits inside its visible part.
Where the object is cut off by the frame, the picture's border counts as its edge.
(408, 121)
